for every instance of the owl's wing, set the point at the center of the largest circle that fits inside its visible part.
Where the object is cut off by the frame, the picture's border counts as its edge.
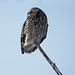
(46, 28)
(23, 38)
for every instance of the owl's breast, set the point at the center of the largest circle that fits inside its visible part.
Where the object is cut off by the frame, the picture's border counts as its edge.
(29, 31)
(35, 30)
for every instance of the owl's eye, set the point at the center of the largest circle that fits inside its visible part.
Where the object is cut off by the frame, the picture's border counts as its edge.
(30, 12)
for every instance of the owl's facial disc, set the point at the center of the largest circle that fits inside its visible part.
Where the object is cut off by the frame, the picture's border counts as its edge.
(32, 12)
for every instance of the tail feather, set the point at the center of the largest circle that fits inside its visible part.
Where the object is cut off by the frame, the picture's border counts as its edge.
(29, 48)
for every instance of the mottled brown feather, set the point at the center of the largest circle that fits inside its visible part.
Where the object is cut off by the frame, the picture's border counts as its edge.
(23, 38)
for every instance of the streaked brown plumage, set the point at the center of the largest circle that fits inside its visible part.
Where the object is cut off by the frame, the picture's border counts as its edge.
(34, 29)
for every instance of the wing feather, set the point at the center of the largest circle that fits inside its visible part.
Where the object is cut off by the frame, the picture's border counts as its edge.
(23, 38)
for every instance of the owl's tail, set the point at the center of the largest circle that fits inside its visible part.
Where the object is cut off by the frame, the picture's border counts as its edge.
(29, 48)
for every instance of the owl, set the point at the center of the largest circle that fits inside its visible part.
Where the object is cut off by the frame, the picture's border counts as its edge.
(34, 30)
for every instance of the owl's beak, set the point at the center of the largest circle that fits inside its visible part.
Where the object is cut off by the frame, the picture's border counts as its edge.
(28, 15)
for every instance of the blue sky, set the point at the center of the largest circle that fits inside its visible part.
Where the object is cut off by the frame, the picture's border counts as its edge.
(59, 44)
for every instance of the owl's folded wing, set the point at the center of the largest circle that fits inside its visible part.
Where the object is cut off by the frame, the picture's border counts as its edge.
(23, 38)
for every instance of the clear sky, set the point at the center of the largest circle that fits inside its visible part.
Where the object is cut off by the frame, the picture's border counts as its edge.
(59, 44)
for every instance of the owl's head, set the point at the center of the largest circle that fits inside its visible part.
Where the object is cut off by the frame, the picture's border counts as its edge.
(38, 13)
(32, 11)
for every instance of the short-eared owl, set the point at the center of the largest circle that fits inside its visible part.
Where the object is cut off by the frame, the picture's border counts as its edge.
(34, 29)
